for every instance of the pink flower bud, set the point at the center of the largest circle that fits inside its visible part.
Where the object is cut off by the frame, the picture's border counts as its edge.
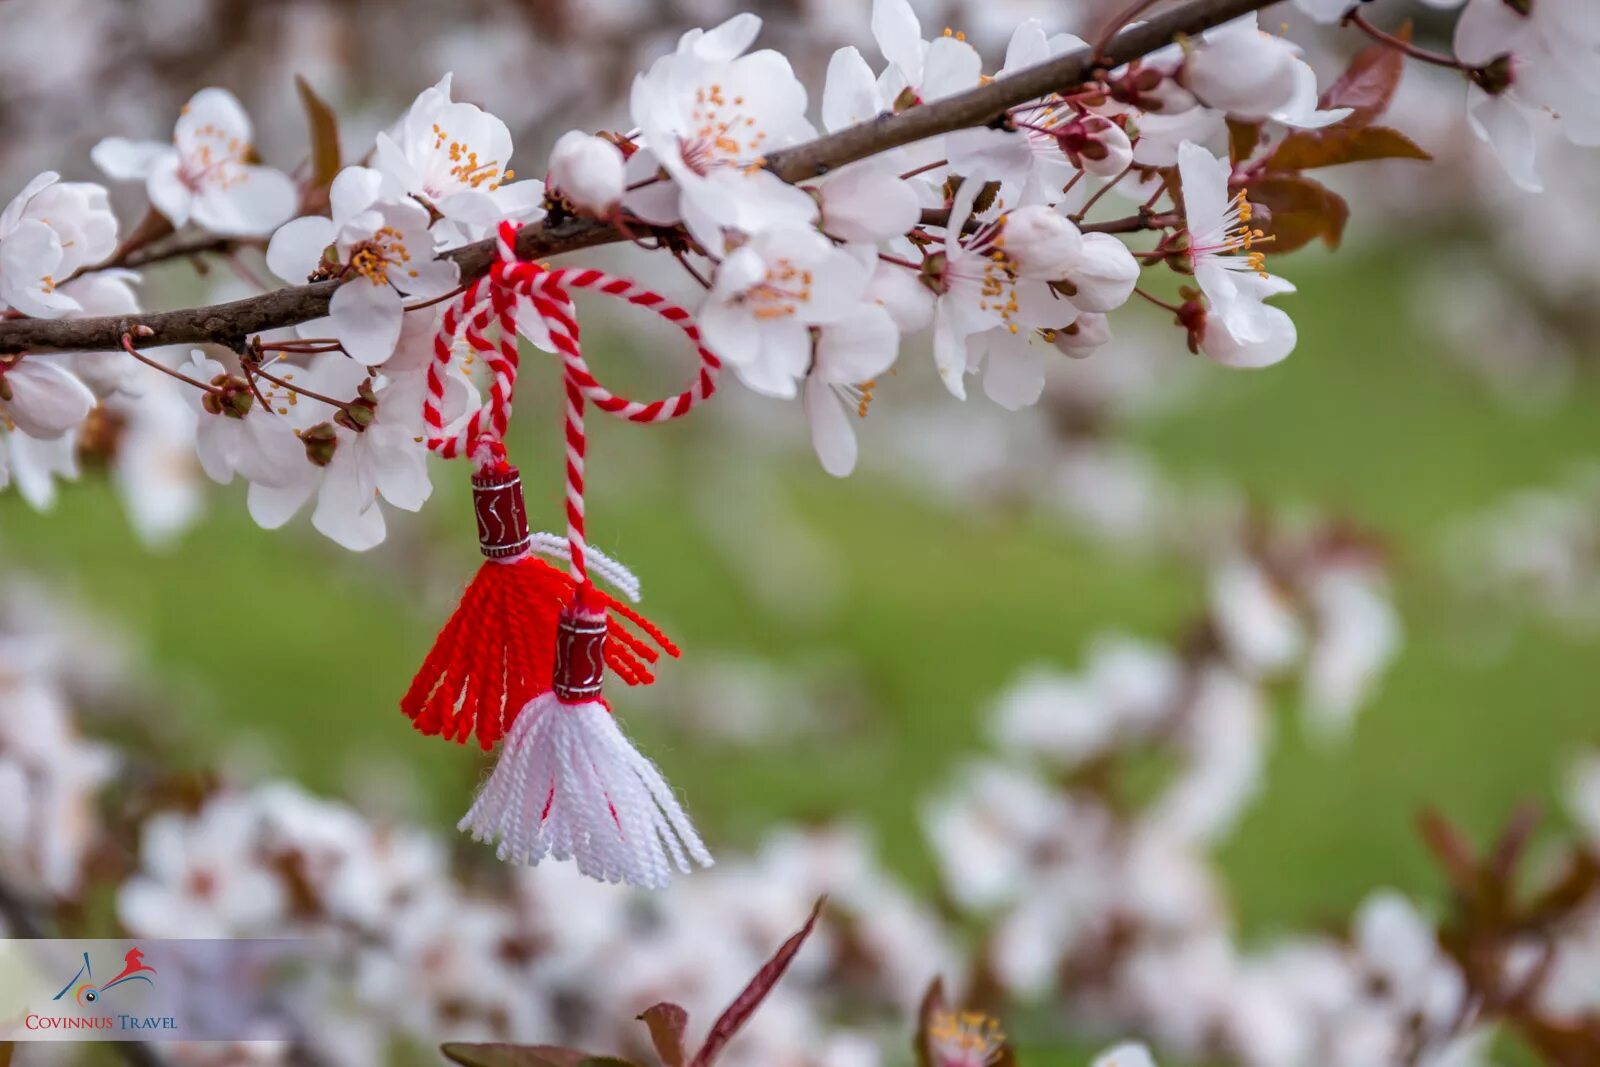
(1087, 333)
(587, 170)
(1096, 144)
(1040, 242)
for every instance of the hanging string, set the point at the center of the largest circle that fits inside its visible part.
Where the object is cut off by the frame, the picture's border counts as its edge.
(515, 284)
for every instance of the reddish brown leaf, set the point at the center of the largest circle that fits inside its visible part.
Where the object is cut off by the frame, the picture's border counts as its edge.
(1307, 149)
(933, 1003)
(324, 126)
(1368, 83)
(1578, 880)
(499, 1054)
(1243, 138)
(1451, 849)
(1512, 844)
(1298, 211)
(667, 1023)
(745, 1004)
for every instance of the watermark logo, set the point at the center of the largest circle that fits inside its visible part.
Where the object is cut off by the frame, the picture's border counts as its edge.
(149, 990)
(87, 994)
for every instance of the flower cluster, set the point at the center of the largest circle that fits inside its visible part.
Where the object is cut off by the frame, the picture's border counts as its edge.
(1008, 243)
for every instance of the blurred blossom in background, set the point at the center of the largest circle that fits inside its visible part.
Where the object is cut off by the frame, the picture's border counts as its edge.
(1116, 712)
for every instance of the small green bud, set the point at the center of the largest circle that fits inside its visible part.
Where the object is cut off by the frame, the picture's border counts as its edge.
(237, 399)
(321, 442)
(1495, 76)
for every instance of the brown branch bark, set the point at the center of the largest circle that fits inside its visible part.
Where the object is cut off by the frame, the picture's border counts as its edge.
(233, 322)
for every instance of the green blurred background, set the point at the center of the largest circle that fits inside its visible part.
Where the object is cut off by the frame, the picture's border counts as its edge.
(287, 641)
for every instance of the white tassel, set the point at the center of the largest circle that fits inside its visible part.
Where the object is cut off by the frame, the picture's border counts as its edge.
(569, 785)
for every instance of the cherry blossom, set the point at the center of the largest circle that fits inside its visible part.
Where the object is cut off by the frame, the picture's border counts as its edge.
(236, 434)
(851, 94)
(919, 70)
(205, 174)
(381, 247)
(41, 398)
(867, 202)
(1085, 335)
(850, 356)
(587, 171)
(349, 463)
(48, 775)
(765, 297)
(198, 877)
(1358, 635)
(1254, 617)
(1241, 330)
(456, 159)
(48, 233)
(993, 297)
(1551, 53)
(1253, 75)
(708, 112)
(32, 464)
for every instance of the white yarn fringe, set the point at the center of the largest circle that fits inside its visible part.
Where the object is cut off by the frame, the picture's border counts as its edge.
(554, 546)
(569, 785)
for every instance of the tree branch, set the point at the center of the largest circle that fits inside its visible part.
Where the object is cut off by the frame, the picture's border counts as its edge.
(233, 322)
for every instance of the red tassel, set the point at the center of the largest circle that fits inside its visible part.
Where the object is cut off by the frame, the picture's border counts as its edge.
(496, 653)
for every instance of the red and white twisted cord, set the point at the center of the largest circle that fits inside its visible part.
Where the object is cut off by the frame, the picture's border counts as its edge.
(510, 285)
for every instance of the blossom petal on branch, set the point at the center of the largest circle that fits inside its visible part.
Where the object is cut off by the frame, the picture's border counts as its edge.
(832, 435)
(1508, 129)
(867, 202)
(298, 246)
(366, 317)
(258, 200)
(400, 466)
(46, 400)
(850, 93)
(124, 160)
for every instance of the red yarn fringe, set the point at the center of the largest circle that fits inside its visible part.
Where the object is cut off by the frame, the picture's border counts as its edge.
(497, 652)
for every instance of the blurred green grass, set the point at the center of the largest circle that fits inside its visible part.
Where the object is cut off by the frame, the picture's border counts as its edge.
(282, 638)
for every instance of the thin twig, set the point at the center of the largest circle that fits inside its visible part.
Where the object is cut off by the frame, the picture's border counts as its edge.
(1158, 302)
(127, 346)
(1358, 20)
(1139, 223)
(441, 298)
(914, 171)
(1098, 193)
(683, 261)
(1119, 20)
